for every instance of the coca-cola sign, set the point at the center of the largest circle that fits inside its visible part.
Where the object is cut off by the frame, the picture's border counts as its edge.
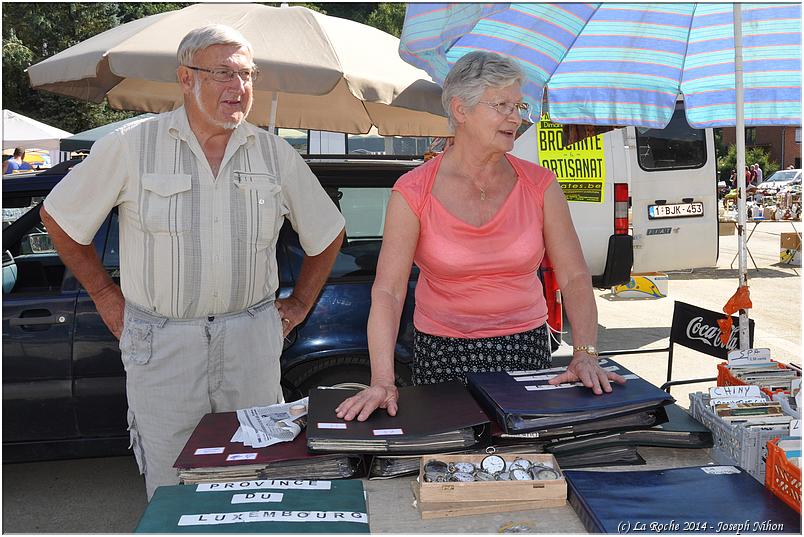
(697, 329)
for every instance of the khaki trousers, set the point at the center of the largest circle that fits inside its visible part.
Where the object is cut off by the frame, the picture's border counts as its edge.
(177, 370)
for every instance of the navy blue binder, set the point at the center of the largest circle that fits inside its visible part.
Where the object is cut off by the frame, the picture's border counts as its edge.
(524, 401)
(698, 499)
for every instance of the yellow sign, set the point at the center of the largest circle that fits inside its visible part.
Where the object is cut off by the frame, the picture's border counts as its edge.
(580, 168)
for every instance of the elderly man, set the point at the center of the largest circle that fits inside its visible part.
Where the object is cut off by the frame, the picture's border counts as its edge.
(201, 196)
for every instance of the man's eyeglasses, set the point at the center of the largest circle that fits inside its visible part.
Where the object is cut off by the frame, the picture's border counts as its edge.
(506, 108)
(227, 75)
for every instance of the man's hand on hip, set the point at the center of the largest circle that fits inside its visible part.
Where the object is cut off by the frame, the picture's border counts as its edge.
(292, 311)
(110, 303)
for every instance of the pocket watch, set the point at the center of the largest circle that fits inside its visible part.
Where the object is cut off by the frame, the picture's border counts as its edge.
(492, 464)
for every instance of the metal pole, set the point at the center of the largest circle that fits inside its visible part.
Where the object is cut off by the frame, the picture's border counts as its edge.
(741, 183)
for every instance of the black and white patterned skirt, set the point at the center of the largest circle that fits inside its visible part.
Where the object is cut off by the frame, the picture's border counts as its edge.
(442, 359)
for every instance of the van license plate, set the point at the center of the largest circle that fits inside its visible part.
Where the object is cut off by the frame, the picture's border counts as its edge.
(675, 210)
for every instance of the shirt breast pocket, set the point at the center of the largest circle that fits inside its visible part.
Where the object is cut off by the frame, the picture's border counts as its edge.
(166, 203)
(261, 202)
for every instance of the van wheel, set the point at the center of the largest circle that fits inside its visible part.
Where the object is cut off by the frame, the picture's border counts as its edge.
(339, 370)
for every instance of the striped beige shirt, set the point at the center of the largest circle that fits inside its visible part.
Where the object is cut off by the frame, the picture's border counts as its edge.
(192, 244)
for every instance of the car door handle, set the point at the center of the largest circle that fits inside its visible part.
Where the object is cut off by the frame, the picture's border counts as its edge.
(38, 320)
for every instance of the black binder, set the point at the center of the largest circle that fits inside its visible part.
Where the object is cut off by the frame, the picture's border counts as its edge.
(698, 499)
(431, 418)
(524, 401)
(680, 431)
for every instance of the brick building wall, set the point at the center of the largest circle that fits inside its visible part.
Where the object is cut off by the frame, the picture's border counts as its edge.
(783, 144)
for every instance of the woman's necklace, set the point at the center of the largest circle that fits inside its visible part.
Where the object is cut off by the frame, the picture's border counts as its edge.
(482, 190)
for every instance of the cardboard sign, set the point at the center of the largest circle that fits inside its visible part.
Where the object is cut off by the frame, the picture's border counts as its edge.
(580, 168)
(749, 357)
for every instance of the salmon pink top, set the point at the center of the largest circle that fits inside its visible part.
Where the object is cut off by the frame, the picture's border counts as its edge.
(479, 281)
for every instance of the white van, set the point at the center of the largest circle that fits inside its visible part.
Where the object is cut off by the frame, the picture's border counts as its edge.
(666, 177)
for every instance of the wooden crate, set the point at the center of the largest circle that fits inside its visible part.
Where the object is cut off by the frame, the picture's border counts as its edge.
(430, 510)
(491, 491)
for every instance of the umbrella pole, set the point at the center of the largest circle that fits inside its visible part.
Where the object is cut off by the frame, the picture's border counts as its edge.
(272, 119)
(743, 335)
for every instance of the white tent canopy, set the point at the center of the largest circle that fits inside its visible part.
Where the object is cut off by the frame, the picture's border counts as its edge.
(27, 133)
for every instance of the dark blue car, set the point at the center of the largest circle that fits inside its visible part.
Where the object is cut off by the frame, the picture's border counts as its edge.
(63, 381)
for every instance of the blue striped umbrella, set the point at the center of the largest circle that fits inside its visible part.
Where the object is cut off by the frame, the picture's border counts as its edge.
(625, 64)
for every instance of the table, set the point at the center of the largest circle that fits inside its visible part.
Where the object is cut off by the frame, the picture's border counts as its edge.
(391, 510)
(756, 222)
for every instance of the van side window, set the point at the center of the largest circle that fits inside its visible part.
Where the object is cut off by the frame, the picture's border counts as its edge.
(677, 146)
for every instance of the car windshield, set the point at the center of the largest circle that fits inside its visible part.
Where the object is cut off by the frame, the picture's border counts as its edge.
(784, 175)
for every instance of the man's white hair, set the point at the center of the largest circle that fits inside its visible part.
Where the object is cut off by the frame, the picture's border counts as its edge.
(207, 36)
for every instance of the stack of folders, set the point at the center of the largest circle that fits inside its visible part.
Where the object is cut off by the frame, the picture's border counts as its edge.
(699, 499)
(680, 431)
(524, 401)
(211, 455)
(258, 506)
(435, 418)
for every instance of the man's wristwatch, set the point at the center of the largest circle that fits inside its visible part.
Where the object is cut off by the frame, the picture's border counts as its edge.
(591, 350)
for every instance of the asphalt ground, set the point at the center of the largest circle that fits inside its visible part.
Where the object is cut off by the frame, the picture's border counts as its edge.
(106, 495)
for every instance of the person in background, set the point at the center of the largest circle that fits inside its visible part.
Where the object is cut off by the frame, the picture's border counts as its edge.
(733, 179)
(16, 162)
(752, 175)
(759, 174)
(202, 195)
(477, 222)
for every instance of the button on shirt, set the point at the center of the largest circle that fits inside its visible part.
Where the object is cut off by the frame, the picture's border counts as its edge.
(192, 244)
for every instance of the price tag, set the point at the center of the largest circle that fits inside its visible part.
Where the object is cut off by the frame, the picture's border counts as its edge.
(734, 391)
(795, 428)
(749, 357)
(720, 470)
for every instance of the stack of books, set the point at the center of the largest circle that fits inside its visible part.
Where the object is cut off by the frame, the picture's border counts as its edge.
(760, 413)
(772, 376)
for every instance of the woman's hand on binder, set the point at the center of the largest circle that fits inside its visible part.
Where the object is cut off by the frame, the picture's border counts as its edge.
(585, 369)
(367, 401)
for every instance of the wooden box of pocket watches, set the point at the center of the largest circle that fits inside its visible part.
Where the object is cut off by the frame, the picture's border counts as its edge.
(496, 477)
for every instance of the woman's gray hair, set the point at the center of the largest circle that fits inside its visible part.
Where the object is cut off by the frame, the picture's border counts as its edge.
(473, 74)
(207, 36)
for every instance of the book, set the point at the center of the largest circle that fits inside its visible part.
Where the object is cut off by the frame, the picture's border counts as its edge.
(524, 401)
(736, 411)
(258, 506)
(210, 455)
(698, 499)
(431, 418)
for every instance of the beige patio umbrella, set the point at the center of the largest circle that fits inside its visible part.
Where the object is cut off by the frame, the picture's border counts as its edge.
(323, 73)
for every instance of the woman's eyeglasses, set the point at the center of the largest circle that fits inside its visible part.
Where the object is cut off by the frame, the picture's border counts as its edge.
(505, 108)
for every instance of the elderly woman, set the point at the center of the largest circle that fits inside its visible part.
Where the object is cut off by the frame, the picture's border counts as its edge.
(478, 222)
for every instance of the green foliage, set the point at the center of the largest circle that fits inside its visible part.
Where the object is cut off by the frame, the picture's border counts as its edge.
(34, 31)
(753, 155)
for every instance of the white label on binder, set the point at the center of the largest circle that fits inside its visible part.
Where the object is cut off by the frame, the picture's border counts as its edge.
(536, 378)
(332, 426)
(257, 497)
(241, 457)
(600, 362)
(258, 484)
(540, 387)
(716, 470)
(749, 357)
(386, 432)
(795, 428)
(209, 450)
